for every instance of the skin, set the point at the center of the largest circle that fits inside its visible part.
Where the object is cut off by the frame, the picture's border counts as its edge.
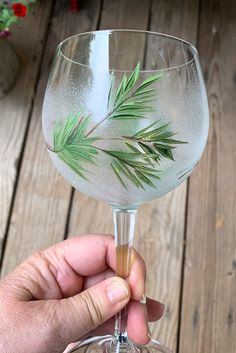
(70, 291)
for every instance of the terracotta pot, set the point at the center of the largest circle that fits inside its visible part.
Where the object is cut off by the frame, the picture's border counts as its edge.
(9, 66)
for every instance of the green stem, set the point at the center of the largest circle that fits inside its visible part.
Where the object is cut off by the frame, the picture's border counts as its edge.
(76, 125)
(127, 138)
(52, 149)
(108, 115)
(99, 123)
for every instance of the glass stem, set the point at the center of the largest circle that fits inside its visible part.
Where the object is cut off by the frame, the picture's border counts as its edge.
(124, 224)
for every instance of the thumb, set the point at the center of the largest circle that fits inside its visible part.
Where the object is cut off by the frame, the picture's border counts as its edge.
(82, 313)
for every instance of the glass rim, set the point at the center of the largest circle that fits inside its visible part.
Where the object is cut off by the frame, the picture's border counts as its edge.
(110, 31)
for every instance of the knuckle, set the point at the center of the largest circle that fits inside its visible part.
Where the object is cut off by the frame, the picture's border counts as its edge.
(36, 256)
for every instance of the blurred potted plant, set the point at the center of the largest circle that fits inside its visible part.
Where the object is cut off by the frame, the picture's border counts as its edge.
(10, 12)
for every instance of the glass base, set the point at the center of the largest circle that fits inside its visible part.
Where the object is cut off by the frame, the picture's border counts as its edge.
(108, 344)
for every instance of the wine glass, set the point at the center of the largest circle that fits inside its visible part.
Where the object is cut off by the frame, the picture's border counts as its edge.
(125, 119)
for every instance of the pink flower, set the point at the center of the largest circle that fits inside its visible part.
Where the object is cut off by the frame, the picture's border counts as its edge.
(5, 33)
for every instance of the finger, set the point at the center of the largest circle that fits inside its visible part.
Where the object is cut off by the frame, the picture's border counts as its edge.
(76, 316)
(136, 279)
(107, 328)
(154, 312)
(137, 325)
(58, 271)
(92, 280)
(138, 316)
(87, 255)
(155, 309)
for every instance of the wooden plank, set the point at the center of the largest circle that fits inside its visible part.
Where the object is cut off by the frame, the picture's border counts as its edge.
(125, 14)
(42, 197)
(160, 224)
(89, 215)
(209, 300)
(15, 107)
(161, 232)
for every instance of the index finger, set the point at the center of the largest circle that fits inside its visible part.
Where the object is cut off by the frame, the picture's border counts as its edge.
(92, 256)
(86, 255)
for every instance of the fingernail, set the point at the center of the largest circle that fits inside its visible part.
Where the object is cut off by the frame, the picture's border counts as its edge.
(143, 300)
(117, 292)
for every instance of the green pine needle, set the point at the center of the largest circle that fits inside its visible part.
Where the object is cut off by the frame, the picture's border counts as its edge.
(71, 144)
(155, 142)
(132, 101)
(145, 149)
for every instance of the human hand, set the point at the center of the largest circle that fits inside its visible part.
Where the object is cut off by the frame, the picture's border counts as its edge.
(67, 292)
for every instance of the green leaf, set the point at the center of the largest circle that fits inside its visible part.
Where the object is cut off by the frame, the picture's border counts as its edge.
(72, 145)
(164, 146)
(149, 81)
(126, 116)
(124, 84)
(127, 172)
(134, 149)
(167, 153)
(72, 164)
(140, 133)
(139, 163)
(133, 166)
(125, 98)
(116, 171)
(155, 132)
(78, 129)
(135, 107)
(144, 178)
(122, 155)
(151, 175)
(144, 92)
(175, 142)
(120, 89)
(148, 169)
(85, 153)
(110, 91)
(133, 77)
(151, 153)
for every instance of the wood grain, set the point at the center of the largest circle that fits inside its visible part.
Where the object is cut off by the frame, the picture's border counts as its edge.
(160, 224)
(15, 107)
(209, 300)
(161, 236)
(89, 215)
(10, 66)
(125, 14)
(42, 198)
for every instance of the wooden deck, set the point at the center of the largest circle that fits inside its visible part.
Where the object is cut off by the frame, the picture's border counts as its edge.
(188, 237)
